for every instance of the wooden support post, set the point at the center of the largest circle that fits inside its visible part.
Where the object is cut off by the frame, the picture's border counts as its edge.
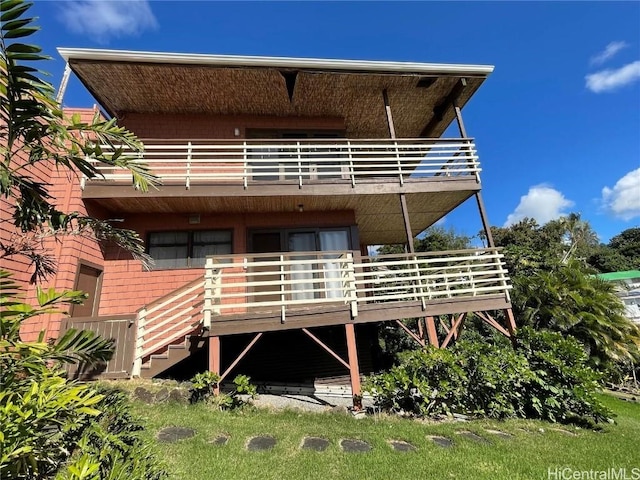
(511, 321)
(387, 109)
(214, 359)
(485, 220)
(432, 333)
(458, 113)
(481, 209)
(407, 225)
(354, 370)
(421, 331)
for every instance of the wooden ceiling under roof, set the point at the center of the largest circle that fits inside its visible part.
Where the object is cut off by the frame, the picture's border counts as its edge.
(123, 87)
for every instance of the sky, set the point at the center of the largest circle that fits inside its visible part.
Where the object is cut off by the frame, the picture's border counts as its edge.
(557, 124)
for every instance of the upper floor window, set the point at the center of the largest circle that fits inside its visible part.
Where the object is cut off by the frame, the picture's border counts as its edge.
(184, 248)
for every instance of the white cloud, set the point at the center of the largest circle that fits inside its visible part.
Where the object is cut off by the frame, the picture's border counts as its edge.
(608, 53)
(623, 200)
(101, 20)
(608, 80)
(542, 203)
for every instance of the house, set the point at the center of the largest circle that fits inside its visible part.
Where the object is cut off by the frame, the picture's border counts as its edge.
(628, 289)
(277, 175)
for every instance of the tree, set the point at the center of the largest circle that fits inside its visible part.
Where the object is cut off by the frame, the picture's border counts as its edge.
(573, 301)
(433, 239)
(40, 409)
(35, 133)
(621, 253)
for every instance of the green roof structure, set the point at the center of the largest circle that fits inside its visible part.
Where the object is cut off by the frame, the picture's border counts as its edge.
(616, 276)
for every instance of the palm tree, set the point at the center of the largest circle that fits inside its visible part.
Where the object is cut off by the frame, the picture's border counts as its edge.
(34, 131)
(571, 300)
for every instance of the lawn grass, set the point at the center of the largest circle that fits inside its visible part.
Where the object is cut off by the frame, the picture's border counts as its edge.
(533, 448)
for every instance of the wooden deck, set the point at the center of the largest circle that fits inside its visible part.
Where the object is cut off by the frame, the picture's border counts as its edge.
(340, 315)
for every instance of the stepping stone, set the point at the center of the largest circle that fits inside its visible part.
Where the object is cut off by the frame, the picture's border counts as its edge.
(179, 395)
(144, 395)
(472, 436)
(162, 395)
(402, 446)
(316, 444)
(498, 433)
(354, 446)
(443, 442)
(173, 434)
(220, 440)
(264, 442)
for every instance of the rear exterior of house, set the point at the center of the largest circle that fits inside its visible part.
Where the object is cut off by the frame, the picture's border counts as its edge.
(278, 176)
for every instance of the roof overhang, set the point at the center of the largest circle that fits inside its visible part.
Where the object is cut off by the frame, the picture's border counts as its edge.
(154, 82)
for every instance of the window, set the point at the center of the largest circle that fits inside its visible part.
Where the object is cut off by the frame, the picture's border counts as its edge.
(183, 249)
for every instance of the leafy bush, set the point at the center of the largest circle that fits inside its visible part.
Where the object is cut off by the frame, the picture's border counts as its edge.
(545, 377)
(109, 445)
(203, 385)
(44, 417)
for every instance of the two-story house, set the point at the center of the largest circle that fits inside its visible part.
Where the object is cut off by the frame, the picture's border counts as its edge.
(278, 174)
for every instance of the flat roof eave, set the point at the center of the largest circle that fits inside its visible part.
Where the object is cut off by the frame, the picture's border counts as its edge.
(318, 64)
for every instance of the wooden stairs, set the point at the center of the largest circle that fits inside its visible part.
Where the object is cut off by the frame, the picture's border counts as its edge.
(174, 354)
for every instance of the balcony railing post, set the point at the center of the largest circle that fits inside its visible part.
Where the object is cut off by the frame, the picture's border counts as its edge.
(188, 179)
(397, 151)
(139, 348)
(299, 165)
(283, 291)
(351, 168)
(208, 293)
(245, 172)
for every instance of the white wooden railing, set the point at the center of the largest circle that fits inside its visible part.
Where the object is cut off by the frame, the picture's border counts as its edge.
(254, 162)
(167, 320)
(282, 282)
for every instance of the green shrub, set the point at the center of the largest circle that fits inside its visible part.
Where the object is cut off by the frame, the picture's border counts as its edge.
(203, 385)
(109, 445)
(545, 377)
(46, 420)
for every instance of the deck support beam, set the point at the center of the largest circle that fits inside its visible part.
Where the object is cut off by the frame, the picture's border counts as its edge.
(455, 327)
(354, 369)
(241, 356)
(432, 333)
(410, 333)
(214, 359)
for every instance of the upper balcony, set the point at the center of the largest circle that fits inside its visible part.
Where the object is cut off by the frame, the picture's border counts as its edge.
(286, 175)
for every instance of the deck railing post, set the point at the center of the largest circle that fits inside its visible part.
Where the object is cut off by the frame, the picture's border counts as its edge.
(420, 292)
(350, 292)
(503, 279)
(208, 293)
(137, 362)
(282, 290)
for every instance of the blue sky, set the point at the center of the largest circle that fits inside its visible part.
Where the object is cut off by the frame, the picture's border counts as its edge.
(557, 124)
